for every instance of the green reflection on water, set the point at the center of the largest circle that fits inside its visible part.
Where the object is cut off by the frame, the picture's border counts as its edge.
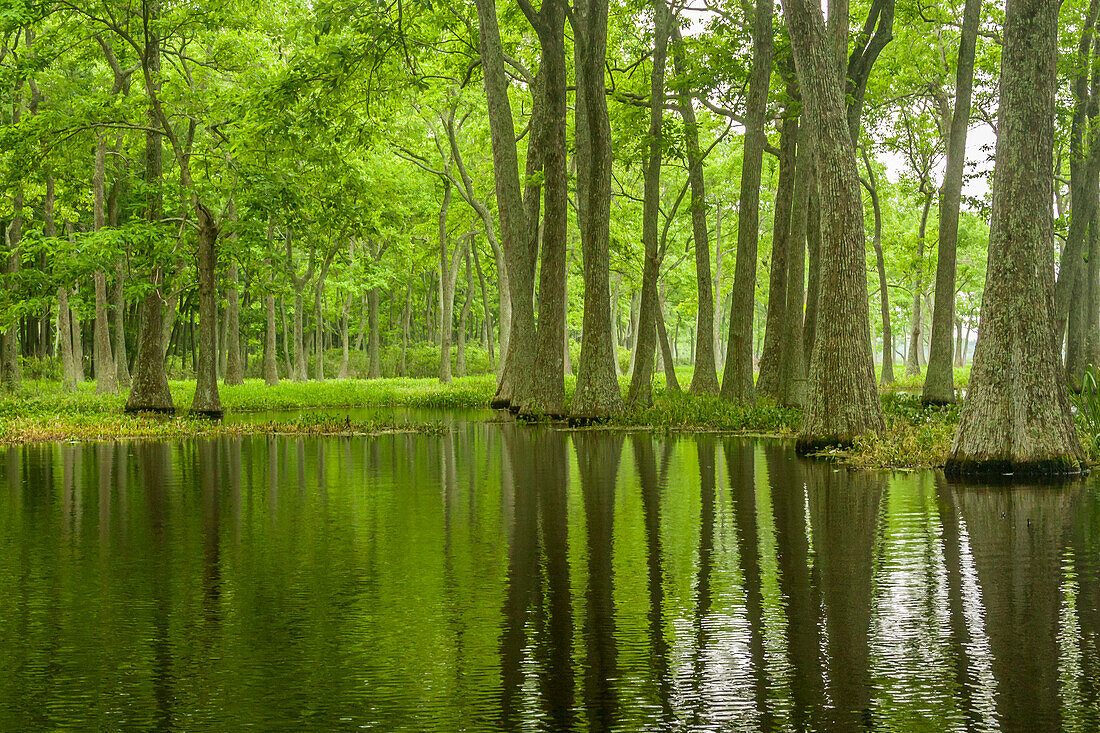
(507, 577)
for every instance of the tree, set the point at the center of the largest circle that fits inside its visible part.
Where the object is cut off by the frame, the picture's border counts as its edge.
(843, 398)
(1016, 417)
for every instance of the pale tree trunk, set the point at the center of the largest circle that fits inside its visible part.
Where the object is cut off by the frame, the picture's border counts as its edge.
(288, 336)
(843, 398)
(65, 340)
(939, 382)
(769, 381)
(597, 393)
(704, 378)
(1016, 417)
(301, 373)
(641, 378)
(463, 319)
(916, 348)
(122, 365)
(207, 401)
(78, 341)
(635, 304)
(487, 321)
(221, 355)
(271, 368)
(105, 382)
(448, 274)
(719, 301)
(672, 384)
(883, 294)
(405, 324)
(373, 343)
(234, 369)
(168, 322)
(345, 346)
(737, 382)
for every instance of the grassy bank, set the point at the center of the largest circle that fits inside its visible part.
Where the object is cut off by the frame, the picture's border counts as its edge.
(43, 411)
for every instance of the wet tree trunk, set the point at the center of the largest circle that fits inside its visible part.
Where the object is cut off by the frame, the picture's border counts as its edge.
(939, 384)
(737, 381)
(207, 401)
(1016, 417)
(883, 294)
(843, 398)
(769, 382)
(597, 392)
(704, 378)
(641, 378)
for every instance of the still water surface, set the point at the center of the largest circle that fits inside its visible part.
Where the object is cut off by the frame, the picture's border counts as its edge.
(501, 577)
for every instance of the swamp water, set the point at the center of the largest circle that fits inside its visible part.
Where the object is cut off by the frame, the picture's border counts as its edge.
(501, 577)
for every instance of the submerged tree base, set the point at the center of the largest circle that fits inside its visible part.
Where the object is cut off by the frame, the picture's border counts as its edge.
(992, 468)
(809, 444)
(500, 403)
(208, 414)
(148, 410)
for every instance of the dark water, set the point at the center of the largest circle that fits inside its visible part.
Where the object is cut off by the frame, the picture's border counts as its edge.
(511, 578)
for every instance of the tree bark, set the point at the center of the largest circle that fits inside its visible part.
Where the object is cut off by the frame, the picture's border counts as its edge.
(843, 398)
(672, 383)
(271, 368)
(792, 375)
(122, 364)
(65, 340)
(769, 382)
(234, 369)
(448, 275)
(207, 401)
(939, 382)
(704, 378)
(641, 378)
(105, 381)
(463, 319)
(345, 338)
(813, 266)
(883, 294)
(737, 379)
(1016, 417)
(597, 394)
(916, 348)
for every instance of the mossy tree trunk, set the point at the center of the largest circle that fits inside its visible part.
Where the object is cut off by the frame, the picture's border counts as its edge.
(597, 393)
(843, 398)
(770, 382)
(1016, 417)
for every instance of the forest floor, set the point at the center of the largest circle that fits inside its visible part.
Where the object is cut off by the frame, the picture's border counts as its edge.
(916, 436)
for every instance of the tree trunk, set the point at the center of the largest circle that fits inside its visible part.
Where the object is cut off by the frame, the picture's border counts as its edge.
(939, 384)
(813, 265)
(916, 348)
(704, 378)
(463, 319)
(234, 369)
(105, 381)
(737, 382)
(446, 288)
(843, 398)
(518, 357)
(641, 379)
(597, 392)
(406, 323)
(1092, 326)
(345, 338)
(719, 302)
(122, 364)
(547, 387)
(769, 381)
(207, 401)
(301, 373)
(487, 322)
(672, 384)
(78, 341)
(1016, 417)
(883, 295)
(374, 347)
(271, 368)
(65, 341)
(792, 376)
(287, 337)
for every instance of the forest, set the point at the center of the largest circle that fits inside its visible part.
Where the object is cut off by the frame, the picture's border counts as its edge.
(870, 219)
